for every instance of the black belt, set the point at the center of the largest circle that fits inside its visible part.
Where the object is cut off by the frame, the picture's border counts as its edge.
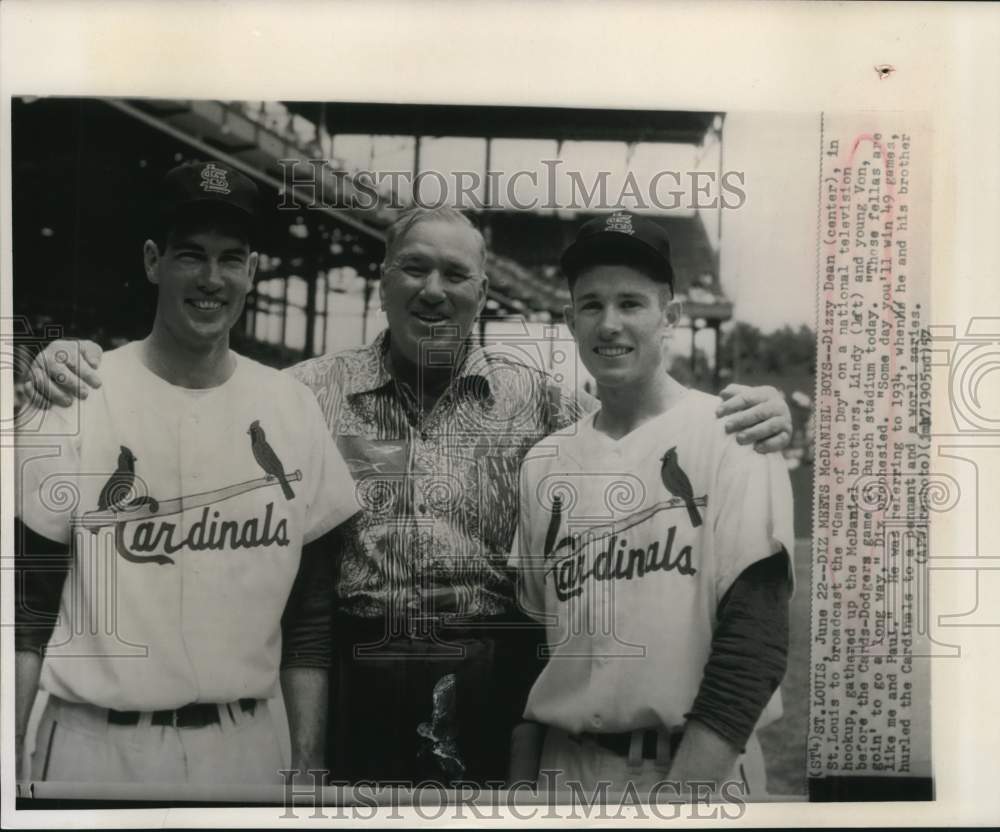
(621, 744)
(195, 715)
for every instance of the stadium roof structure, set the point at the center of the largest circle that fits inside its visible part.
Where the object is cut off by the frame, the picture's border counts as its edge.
(130, 143)
(250, 139)
(500, 122)
(525, 245)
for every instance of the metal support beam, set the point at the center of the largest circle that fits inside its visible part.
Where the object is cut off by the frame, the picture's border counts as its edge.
(367, 297)
(326, 310)
(284, 309)
(239, 164)
(311, 287)
(487, 228)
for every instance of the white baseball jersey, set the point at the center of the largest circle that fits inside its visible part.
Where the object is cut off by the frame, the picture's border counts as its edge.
(187, 511)
(625, 549)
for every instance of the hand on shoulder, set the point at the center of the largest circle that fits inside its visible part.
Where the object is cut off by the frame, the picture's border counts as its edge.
(757, 415)
(63, 372)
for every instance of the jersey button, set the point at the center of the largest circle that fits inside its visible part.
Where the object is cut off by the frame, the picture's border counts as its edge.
(596, 721)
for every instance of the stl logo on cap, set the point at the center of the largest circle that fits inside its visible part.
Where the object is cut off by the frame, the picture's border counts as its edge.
(215, 179)
(621, 222)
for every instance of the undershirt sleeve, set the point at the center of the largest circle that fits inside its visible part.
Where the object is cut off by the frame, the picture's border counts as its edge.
(41, 567)
(749, 651)
(306, 639)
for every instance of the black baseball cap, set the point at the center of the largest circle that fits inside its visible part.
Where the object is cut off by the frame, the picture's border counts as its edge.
(209, 185)
(620, 237)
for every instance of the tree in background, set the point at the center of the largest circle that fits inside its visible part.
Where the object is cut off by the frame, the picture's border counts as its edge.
(784, 358)
(785, 352)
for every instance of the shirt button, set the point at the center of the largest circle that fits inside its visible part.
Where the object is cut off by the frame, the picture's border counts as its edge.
(422, 508)
(423, 435)
(596, 721)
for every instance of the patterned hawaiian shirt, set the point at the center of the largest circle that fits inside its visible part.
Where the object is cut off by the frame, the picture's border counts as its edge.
(439, 489)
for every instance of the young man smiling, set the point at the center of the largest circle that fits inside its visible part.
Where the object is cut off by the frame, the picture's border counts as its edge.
(195, 476)
(654, 547)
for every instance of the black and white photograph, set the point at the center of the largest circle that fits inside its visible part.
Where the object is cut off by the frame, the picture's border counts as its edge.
(439, 334)
(380, 455)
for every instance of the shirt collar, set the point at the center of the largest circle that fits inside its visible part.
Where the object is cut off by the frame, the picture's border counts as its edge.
(373, 374)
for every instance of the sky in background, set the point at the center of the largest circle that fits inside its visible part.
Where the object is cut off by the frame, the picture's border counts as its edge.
(768, 264)
(768, 257)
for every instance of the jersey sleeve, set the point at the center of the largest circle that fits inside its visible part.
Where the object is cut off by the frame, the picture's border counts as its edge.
(332, 496)
(753, 511)
(526, 555)
(47, 470)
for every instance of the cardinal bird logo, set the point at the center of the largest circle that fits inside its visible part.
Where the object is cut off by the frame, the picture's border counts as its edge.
(119, 491)
(268, 459)
(678, 484)
(118, 488)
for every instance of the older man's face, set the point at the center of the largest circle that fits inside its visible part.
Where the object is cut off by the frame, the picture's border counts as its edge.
(433, 289)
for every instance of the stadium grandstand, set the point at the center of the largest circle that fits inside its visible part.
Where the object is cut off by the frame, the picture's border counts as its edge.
(79, 227)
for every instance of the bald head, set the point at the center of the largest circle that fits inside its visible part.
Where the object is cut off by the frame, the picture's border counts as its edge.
(396, 233)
